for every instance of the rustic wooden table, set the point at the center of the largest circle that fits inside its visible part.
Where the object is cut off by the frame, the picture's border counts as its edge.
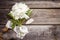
(46, 15)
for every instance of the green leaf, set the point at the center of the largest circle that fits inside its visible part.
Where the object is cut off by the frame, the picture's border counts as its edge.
(9, 14)
(18, 22)
(13, 26)
(14, 23)
(21, 21)
(29, 12)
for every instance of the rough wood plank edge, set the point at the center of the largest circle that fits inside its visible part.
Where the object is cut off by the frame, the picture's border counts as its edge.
(40, 16)
(32, 4)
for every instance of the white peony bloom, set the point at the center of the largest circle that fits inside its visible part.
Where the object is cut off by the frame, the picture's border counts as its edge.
(21, 31)
(8, 25)
(29, 21)
(23, 7)
(22, 15)
(19, 11)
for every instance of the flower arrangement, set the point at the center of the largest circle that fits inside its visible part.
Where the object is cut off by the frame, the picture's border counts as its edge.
(19, 14)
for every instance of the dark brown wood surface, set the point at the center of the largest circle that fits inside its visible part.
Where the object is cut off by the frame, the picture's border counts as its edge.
(46, 15)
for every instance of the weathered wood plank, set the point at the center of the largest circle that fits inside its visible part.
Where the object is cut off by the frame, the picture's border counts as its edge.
(36, 0)
(36, 32)
(46, 16)
(57, 32)
(1, 27)
(32, 4)
(26, 0)
(40, 16)
(40, 32)
(3, 15)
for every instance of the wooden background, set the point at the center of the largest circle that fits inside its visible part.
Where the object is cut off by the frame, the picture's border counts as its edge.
(46, 15)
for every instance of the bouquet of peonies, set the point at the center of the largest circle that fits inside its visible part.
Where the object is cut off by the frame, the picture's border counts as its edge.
(19, 14)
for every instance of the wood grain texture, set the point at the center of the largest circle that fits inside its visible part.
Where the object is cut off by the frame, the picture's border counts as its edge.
(26, 0)
(1, 27)
(57, 32)
(46, 16)
(29, 0)
(32, 4)
(32, 0)
(36, 32)
(10, 35)
(40, 32)
(40, 16)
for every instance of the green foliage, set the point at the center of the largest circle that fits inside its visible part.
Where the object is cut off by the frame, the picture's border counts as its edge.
(10, 15)
(18, 22)
(29, 12)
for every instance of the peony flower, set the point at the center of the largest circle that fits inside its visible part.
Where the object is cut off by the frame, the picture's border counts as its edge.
(22, 12)
(21, 31)
(23, 7)
(19, 10)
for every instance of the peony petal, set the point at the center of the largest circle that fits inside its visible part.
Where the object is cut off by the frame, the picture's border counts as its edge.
(17, 29)
(29, 21)
(19, 10)
(24, 29)
(22, 36)
(8, 25)
(18, 35)
(26, 16)
(21, 31)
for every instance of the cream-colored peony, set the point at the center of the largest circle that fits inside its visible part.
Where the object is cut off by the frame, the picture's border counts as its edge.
(19, 10)
(9, 23)
(21, 31)
(29, 21)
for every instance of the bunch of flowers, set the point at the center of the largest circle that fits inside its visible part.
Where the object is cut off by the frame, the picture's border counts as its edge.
(19, 14)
